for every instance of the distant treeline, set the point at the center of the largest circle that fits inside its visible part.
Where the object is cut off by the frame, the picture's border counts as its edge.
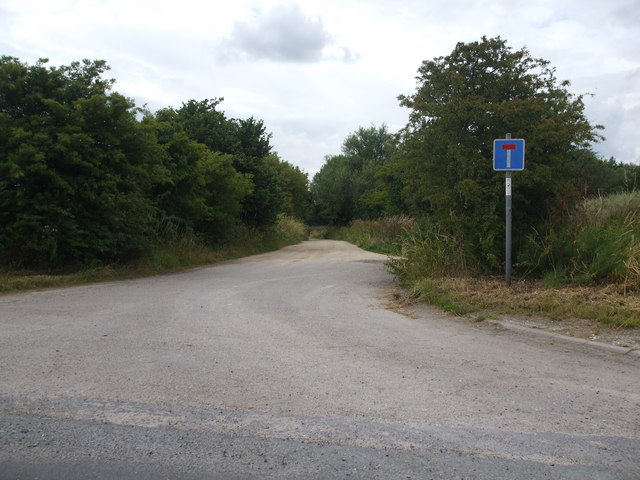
(88, 178)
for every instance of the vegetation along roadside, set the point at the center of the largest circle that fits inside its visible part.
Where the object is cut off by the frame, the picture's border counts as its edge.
(576, 226)
(92, 184)
(605, 310)
(93, 187)
(167, 256)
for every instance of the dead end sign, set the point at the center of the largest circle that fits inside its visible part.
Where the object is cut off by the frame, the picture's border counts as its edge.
(508, 154)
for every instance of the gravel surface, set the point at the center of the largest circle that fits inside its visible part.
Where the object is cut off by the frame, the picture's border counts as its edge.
(287, 365)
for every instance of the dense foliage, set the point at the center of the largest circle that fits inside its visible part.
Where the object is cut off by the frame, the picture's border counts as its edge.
(598, 242)
(464, 101)
(84, 180)
(342, 189)
(440, 169)
(87, 178)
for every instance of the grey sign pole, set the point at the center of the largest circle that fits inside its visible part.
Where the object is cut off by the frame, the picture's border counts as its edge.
(508, 156)
(507, 259)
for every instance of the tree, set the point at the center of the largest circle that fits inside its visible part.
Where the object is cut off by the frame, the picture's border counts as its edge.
(84, 182)
(251, 157)
(367, 150)
(200, 191)
(294, 188)
(222, 190)
(463, 101)
(206, 125)
(386, 197)
(248, 143)
(75, 167)
(342, 190)
(332, 192)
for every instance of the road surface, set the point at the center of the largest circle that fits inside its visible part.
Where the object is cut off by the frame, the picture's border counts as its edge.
(288, 366)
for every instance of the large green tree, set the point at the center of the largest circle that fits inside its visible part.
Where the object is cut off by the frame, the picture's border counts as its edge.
(463, 101)
(75, 166)
(294, 188)
(332, 192)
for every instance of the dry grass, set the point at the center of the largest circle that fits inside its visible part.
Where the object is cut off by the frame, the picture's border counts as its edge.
(609, 305)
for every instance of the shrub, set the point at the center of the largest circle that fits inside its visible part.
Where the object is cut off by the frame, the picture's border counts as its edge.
(289, 231)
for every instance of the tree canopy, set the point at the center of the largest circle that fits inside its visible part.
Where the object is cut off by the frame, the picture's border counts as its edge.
(75, 165)
(84, 180)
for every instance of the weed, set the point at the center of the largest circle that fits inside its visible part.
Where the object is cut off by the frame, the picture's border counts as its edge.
(427, 251)
(555, 279)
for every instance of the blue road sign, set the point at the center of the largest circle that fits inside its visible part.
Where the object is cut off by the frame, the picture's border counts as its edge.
(508, 154)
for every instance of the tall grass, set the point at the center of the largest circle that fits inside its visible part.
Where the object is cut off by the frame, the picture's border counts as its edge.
(428, 251)
(380, 235)
(171, 251)
(250, 240)
(598, 243)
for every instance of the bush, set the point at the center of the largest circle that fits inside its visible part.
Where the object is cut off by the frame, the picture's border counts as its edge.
(289, 231)
(171, 250)
(250, 240)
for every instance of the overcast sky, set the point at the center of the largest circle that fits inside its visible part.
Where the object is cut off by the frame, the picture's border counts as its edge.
(316, 70)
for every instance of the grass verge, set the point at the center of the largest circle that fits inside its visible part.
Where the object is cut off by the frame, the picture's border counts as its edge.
(607, 305)
(437, 294)
(164, 257)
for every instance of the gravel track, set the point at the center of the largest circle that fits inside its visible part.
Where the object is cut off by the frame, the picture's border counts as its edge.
(287, 365)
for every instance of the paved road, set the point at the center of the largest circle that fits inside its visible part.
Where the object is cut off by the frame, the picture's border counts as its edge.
(288, 365)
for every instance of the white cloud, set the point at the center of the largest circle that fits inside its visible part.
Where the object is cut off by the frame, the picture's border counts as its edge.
(283, 34)
(616, 105)
(316, 70)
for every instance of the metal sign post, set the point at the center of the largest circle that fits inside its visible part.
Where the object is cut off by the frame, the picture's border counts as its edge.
(508, 205)
(508, 156)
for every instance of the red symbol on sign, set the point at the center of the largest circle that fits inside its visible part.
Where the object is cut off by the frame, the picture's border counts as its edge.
(508, 147)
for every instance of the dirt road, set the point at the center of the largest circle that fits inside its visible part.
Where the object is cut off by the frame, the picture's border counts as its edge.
(287, 365)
